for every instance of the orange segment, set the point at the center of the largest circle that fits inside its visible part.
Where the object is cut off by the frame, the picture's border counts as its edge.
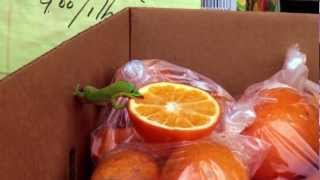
(202, 107)
(170, 111)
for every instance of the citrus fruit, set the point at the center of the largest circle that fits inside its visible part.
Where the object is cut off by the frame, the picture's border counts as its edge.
(289, 122)
(126, 164)
(171, 111)
(105, 139)
(314, 176)
(204, 161)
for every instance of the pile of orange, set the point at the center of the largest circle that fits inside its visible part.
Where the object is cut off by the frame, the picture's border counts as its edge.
(289, 122)
(199, 161)
(170, 112)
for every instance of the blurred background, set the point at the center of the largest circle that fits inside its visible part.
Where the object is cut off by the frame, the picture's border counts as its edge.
(29, 29)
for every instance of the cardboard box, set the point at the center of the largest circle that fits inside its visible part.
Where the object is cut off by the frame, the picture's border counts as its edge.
(45, 132)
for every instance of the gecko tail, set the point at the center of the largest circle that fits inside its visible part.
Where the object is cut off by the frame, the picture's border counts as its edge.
(78, 91)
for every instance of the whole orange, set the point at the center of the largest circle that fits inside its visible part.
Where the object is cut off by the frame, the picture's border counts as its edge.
(289, 122)
(204, 161)
(105, 139)
(126, 165)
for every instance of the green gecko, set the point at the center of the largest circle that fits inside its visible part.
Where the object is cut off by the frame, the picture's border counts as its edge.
(108, 94)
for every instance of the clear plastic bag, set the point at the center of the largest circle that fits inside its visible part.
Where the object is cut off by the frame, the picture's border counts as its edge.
(283, 111)
(115, 125)
(116, 133)
(219, 156)
(141, 73)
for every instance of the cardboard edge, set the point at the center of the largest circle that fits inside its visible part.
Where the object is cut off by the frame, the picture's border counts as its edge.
(133, 9)
(130, 33)
(74, 165)
(64, 43)
(272, 16)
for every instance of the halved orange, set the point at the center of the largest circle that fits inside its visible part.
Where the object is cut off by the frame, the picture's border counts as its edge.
(173, 112)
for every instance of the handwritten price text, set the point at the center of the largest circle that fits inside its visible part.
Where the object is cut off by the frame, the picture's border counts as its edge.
(98, 12)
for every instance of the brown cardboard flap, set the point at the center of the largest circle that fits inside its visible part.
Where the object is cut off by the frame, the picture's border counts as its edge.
(235, 49)
(40, 122)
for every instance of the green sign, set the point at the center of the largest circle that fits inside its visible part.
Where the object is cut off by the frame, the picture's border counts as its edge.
(32, 27)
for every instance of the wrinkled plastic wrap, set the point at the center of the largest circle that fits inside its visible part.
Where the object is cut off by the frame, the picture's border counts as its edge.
(141, 73)
(283, 111)
(219, 156)
(116, 132)
(145, 72)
